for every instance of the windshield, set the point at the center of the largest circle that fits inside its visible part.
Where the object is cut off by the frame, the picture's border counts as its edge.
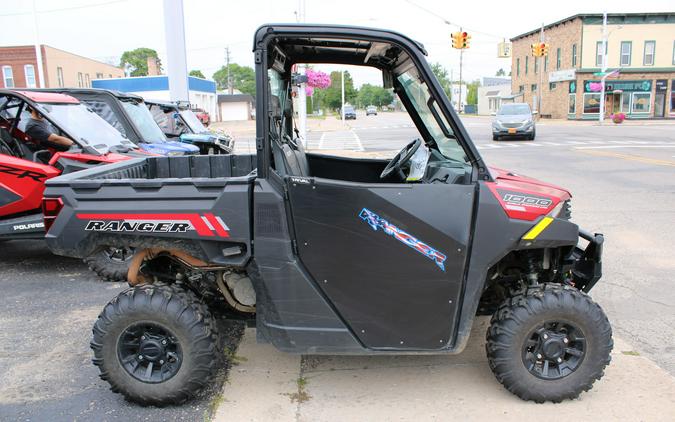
(87, 126)
(514, 109)
(193, 121)
(418, 94)
(349, 109)
(140, 115)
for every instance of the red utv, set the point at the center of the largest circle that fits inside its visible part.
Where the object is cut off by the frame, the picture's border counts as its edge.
(25, 165)
(202, 115)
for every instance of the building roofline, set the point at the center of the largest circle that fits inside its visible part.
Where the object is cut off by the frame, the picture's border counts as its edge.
(44, 46)
(587, 15)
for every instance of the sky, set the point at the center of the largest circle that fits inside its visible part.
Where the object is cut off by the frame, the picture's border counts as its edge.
(104, 29)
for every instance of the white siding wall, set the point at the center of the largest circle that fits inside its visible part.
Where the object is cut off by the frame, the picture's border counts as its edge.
(234, 111)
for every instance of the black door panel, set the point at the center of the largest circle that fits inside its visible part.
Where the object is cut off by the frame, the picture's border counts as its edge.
(389, 257)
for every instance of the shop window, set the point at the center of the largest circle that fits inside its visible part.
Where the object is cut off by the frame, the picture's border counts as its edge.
(625, 102)
(650, 48)
(574, 55)
(8, 76)
(591, 103)
(572, 109)
(59, 76)
(626, 50)
(29, 71)
(672, 101)
(551, 86)
(642, 102)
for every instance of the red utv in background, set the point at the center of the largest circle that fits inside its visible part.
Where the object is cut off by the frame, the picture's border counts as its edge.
(202, 115)
(25, 165)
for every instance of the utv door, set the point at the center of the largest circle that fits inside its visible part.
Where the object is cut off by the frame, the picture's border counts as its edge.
(389, 257)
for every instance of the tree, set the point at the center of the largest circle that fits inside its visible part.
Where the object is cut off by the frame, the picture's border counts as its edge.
(500, 72)
(373, 95)
(197, 74)
(243, 78)
(138, 58)
(441, 74)
(472, 92)
(331, 97)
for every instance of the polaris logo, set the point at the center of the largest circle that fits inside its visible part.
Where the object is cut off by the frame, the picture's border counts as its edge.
(29, 226)
(138, 226)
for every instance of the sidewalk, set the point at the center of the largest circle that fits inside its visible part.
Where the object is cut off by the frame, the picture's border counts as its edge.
(246, 128)
(270, 385)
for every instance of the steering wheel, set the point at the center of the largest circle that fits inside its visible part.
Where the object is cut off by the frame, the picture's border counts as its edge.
(401, 159)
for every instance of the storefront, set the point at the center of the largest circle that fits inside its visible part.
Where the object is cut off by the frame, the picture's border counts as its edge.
(633, 98)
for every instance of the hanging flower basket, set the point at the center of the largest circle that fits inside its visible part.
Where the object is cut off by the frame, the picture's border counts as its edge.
(617, 118)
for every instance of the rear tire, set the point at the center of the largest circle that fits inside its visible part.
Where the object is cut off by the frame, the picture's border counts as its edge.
(111, 263)
(159, 324)
(549, 343)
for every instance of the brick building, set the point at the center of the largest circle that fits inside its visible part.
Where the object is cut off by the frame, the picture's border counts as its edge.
(640, 45)
(18, 67)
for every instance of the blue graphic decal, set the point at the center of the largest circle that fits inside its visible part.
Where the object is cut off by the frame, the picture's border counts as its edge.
(376, 222)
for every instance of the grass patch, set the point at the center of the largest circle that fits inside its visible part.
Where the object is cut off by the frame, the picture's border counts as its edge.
(210, 412)
(232, 356)
(630, 353)
(301, 396)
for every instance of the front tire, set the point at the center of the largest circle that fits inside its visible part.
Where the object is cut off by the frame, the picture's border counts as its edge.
(549, 343)
(111, 263)
(156, 344)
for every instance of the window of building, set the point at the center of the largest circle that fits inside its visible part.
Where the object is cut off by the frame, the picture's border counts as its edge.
(626, 50)
(625, 102)
(545, 63)
(674, 52)
(59, 76)
(572, 108)
(80, 82)
(536, 66)
(518, 63)
(642, 102)
(29, 71)
(99, 75)
(521, 88)
(591, 103)
(558, 53)
(599, 52)
(87, 82)
(650, 48)
(8, 76)
(574, 55)
(533, 87)
(110, 75)
(551, 86)
(526, 63)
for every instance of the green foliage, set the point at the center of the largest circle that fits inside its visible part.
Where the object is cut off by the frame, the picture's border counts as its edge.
(331, 97)
(472, 92)
(500, 72)
(441, 74)
(373, 95)
(138, 58)
(243, 78)
(197, 74)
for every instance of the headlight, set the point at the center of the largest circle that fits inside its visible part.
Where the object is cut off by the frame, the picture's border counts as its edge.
(175, 153)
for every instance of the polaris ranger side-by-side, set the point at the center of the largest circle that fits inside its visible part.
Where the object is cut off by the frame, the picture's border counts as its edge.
(334, 255)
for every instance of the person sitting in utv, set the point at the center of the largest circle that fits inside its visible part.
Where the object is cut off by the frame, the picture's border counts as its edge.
(41, 132)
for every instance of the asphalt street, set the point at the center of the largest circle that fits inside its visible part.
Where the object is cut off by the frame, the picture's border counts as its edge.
(621, 177)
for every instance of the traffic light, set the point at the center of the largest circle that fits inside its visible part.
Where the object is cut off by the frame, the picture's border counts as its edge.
(544, 49)
(460, 40)
(539, 49)
(535, 49)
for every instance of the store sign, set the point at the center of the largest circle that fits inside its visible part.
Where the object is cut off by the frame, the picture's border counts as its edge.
(504, 50)
(661, 85)
(615, 85)
(562, 75)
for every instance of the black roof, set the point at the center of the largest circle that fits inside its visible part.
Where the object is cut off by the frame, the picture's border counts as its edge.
(90, 91)
(235, 98)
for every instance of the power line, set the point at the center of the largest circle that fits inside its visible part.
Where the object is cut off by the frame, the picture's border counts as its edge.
(447, 22)
(85, 6)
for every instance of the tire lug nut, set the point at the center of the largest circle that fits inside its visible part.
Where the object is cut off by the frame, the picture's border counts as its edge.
(566, 340)
(164, 342)
(545, 336)
(161, 362)
(142, 337)
(140, 357)
(538, 355)
(559, 360)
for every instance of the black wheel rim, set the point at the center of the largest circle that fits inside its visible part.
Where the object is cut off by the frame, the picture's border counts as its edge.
(119, 254)
(554, 350)
(149, 352)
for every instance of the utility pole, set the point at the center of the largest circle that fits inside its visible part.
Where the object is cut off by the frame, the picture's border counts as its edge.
(459, 101)
(230, 88)
(302, 88)
(174, 33)
(541, 71)
(38, 51)
(601, 116)
(342, 109)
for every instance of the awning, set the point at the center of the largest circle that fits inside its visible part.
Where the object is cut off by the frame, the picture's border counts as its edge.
(492, 94)
(512, 96)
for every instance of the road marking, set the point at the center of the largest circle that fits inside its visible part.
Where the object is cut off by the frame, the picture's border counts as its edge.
(626, 146)
(323, 135)
(630, 157)
(552, 143)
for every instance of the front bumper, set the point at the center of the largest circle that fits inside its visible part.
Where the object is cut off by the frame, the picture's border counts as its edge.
(587, 262)
(499, 130)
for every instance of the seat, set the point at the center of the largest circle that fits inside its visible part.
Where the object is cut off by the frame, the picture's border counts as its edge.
(289, 154)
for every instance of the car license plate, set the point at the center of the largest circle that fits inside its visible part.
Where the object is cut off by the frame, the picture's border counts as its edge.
(512, 131)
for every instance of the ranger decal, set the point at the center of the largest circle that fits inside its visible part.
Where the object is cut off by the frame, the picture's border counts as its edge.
(205, 225)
